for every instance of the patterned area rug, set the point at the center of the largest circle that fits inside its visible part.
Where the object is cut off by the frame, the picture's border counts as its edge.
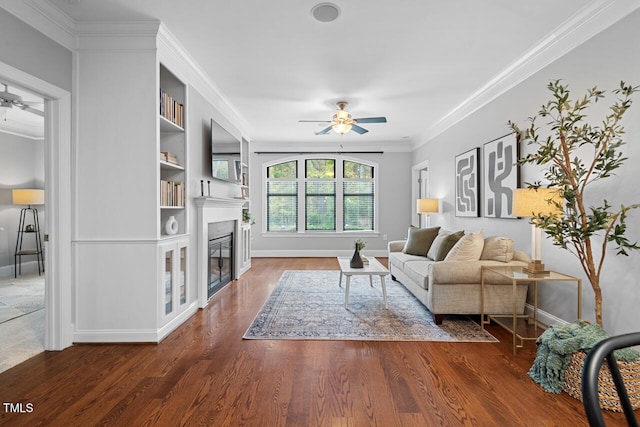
(20, 296)
(309, 305)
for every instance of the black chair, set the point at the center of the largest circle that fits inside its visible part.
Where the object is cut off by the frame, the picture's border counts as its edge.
(601, 351)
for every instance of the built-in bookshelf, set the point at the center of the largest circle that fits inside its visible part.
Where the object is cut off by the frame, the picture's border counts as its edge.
(172, 156)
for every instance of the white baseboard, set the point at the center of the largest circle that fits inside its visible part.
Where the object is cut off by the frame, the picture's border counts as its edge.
(177, 321)
(135, 336)
(544, 317)
(314, 253)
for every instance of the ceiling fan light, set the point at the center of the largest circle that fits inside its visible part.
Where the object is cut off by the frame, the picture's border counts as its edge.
(341, 128)
(341, 114)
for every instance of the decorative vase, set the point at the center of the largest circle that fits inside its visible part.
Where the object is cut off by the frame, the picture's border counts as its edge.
(356, 260)
(171, 226)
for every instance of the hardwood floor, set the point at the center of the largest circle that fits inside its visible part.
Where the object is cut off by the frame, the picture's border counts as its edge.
(205, 374)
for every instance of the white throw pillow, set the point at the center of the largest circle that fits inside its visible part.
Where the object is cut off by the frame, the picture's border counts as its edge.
(468, 248)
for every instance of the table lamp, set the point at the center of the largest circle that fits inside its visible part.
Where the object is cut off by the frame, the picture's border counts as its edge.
(531, 202)
(427, 207)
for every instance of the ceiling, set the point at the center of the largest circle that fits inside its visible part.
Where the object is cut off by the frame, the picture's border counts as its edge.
(413, 61)
(19, 122)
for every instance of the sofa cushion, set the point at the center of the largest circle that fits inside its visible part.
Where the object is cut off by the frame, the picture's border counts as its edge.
(447, 243)
(468, 248)
(420, 240)
(399, 259)
(497, 249)
(418, 272)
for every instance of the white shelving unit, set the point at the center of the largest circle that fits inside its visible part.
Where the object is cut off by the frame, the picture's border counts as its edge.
(172, 119)
(174, 251)
(122, 253)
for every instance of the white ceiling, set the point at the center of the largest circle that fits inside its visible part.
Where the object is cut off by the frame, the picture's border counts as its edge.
(20, 122)
(414, 61)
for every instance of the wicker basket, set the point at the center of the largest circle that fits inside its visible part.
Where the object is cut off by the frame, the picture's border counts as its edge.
(607, 393)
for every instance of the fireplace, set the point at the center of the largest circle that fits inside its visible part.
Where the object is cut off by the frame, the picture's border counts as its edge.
(221, 256)
(217, 218)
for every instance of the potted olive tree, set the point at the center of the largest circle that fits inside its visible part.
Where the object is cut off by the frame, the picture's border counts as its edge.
(575, 155)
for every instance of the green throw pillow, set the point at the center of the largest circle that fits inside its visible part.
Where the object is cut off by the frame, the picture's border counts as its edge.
(420, 240)
(448, 243)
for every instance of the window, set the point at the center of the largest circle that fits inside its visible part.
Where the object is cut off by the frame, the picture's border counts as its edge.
(282, 197)
(327, 196)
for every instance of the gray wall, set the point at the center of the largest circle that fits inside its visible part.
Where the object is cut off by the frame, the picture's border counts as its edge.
(394, 211)
(21, 166)
(25, 48)
(603, 61)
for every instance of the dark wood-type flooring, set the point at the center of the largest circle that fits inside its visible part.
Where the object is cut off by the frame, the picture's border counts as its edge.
(205, 374)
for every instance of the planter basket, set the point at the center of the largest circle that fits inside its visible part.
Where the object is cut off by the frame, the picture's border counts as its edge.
(607, 393)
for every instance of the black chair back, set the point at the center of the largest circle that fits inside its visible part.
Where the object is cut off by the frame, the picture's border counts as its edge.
(598, 354)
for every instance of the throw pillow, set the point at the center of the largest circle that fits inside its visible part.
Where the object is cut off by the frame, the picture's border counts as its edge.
(420, 240)
(497, 249)
(468, 248)
(448, 243)
(435, 246)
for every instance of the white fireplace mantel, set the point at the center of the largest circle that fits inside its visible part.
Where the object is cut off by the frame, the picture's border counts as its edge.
(210, 210)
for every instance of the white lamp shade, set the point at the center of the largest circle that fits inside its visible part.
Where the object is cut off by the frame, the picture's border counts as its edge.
(529, 202)
(427, 205)
(28, 196)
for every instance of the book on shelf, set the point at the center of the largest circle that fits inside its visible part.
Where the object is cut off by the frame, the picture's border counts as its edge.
(169, 157)
(171, 109)
(172, 193)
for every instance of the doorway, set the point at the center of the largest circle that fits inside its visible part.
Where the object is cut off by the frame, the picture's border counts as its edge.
(58, 331)
(22, 210)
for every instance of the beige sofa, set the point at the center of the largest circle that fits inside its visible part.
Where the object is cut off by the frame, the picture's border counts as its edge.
(451, 285)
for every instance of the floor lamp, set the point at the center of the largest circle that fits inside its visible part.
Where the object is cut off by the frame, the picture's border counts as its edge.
(28, 197)
(531, 202)
(427, 207)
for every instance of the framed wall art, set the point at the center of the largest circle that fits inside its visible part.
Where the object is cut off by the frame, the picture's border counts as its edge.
(467, 167)
(501, 176)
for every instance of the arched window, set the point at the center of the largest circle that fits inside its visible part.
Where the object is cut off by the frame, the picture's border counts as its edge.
(320, 194)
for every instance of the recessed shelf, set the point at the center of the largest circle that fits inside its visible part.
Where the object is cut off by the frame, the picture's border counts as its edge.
(170, 166)
(167, 125)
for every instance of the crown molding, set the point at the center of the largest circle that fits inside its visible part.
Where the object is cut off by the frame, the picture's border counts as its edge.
(198, 78)
(44, 17)
(594, 18)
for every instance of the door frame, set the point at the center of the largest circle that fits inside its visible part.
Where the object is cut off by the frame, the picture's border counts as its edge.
(58, 333)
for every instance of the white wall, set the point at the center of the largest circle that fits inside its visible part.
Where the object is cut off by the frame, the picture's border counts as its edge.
(603, 61)
(21, 166)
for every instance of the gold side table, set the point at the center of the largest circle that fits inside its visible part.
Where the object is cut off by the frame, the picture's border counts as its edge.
(518, 276)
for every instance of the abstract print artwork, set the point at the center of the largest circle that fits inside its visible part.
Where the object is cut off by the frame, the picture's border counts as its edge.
(500, 176)
(467, 185)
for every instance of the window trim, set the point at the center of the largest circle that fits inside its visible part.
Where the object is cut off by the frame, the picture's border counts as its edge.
(339, 208)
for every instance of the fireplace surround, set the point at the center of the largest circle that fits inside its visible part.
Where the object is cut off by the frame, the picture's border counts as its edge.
(216, 210)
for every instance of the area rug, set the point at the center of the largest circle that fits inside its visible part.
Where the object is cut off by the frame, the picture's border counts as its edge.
(19, 297)
(309, 305)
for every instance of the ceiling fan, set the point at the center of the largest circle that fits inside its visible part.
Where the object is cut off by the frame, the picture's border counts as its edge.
(342, 122)
(10, 100)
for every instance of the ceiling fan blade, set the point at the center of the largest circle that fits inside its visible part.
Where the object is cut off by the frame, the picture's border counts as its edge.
(372, 120)
(33, 110)
(358, 129)
(324, 131)
(314, 121)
